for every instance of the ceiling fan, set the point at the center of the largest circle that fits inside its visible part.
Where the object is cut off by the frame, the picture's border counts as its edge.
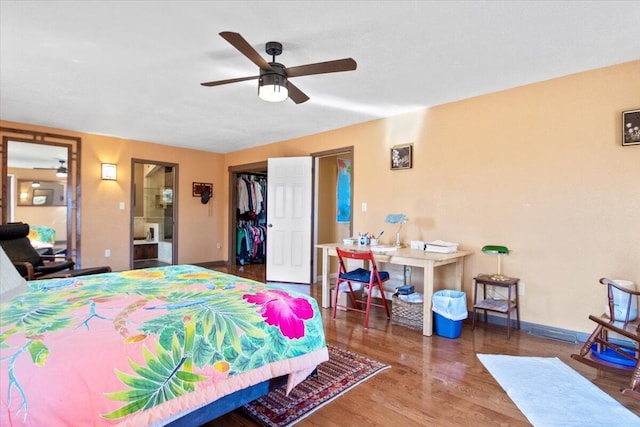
(273, 81)
(61, 171)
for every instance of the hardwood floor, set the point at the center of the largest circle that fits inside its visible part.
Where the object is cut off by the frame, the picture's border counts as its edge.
(433, 380)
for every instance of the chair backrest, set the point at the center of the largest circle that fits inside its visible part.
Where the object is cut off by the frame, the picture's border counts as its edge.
(362, 255)
(622, 300)
(16, 244)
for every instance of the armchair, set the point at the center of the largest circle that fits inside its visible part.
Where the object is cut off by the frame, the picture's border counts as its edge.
(29, 263)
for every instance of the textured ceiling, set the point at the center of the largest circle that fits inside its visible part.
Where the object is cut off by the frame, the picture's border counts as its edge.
(133, 69)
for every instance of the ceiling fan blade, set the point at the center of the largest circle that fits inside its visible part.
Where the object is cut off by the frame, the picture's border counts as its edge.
(245, 48)
(296, 94)
(346, 64)
(224, 82)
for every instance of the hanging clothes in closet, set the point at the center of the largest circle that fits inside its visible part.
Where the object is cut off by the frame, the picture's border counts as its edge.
(251, 231)
(251, 243)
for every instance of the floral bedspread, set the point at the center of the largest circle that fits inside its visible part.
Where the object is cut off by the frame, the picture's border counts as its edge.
(138, 347)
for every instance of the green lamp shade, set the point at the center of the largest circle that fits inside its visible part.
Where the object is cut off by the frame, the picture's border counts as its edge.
(496, 250)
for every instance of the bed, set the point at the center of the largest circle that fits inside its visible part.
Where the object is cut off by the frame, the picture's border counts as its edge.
(149, 347)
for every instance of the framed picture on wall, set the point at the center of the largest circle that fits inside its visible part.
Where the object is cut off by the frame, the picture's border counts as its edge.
(200, 187)
(631, 127)
(39, 200)
(402, 156)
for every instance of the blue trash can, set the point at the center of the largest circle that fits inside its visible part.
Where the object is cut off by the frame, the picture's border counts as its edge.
(449, 310)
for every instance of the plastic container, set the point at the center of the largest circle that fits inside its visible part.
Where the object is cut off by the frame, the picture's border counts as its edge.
(621, 299)
(446, 327)
(449, 310)
(450, 304)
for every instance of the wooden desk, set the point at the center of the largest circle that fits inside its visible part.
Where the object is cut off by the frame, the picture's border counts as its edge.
(402, 256)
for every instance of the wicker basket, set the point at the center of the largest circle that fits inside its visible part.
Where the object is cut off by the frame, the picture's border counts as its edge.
(409, 314)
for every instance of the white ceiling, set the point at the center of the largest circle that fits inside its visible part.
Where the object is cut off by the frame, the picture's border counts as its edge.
(133, 69)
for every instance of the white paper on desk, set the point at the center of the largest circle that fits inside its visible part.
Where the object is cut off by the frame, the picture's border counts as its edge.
(441, 246)
(382, 248)
(440, 250)
(442, 243)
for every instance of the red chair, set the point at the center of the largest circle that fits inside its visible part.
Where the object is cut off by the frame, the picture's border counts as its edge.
(360, 278)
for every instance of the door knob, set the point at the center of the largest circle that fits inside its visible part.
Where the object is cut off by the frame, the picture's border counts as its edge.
(269, 225)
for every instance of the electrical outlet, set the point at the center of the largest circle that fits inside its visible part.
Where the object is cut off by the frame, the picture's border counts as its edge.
(107, 253)
(218, 245)
(364, 206)
(521, 288)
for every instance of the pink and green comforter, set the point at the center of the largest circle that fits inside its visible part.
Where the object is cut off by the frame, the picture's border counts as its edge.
(142, 347)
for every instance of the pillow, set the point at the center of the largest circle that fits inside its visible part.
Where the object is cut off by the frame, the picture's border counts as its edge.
(11, 283)
(42, 235)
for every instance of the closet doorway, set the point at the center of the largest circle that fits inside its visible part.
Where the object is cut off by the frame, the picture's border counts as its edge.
(248, 215)
(153, 213)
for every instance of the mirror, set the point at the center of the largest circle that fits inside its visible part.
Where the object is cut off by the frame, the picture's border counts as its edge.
(41, 193)
(30, 158)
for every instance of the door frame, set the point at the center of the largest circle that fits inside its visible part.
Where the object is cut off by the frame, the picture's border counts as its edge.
(314, 213)
(174, 239)
(234, 172)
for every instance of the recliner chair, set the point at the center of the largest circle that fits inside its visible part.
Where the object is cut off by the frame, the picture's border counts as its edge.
(30, 264)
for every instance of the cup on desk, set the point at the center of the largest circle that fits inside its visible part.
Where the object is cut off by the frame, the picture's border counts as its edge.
(374, 242)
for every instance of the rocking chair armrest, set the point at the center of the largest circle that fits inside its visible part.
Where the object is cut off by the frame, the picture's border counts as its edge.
(25, 269)
(53, 258)
(630, 330)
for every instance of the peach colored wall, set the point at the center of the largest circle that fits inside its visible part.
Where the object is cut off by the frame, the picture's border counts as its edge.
(105, 226)
(539, 168)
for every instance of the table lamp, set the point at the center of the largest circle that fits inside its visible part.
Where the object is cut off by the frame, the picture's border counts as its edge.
(396, 219)
(499, 251)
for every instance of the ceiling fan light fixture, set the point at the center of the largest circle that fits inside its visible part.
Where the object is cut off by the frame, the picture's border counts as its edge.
(61, 172)
(272, 85)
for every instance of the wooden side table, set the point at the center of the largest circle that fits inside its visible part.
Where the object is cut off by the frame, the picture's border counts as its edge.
(497, 305)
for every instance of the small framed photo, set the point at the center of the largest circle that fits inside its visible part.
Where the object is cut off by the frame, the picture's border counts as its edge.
(199, 187)
(631, 127)
(39, 200)
(402, 156)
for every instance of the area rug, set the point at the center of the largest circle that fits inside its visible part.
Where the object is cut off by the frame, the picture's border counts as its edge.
(550, 393)
(343, 371)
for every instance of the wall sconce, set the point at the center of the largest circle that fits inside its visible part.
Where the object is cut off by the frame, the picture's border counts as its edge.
(109, 171)
(35, 184)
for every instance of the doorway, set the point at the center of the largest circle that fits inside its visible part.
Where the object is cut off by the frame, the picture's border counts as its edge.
(249, 217)
(333, 201)
(153, 213)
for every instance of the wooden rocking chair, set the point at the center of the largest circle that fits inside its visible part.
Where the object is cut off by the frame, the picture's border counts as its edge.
(610, 354)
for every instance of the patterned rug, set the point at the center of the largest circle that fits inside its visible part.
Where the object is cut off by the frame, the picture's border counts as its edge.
(343, 371)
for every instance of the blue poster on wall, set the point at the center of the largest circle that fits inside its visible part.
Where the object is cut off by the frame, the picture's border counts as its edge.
(343, 191)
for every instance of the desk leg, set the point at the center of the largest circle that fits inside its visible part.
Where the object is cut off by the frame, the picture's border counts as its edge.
(427, 325)
(459, 265)
(325, 278)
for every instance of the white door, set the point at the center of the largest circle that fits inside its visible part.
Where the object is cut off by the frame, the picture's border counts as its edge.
(289, 188)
